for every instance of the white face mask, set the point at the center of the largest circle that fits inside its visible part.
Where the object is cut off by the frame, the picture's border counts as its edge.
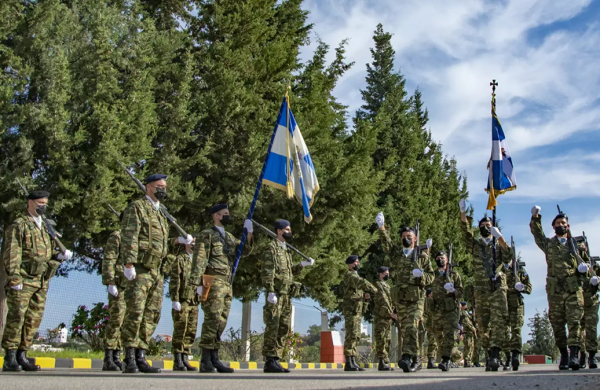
(407, 251)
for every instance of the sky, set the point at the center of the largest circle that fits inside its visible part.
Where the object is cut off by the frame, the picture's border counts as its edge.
(545, 55)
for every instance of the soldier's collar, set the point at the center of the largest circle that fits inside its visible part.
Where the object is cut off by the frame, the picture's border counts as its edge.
(486, 240)
(407, 251)
(38, 220)
(282, 244)
(221, 229)
(154, 204)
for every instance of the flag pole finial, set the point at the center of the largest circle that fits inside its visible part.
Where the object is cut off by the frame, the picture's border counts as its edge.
(493, 84)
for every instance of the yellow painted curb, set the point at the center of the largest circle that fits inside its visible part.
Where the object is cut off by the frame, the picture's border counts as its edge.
(252, 366)
(45, 362)
(168, 364)
(234, 365)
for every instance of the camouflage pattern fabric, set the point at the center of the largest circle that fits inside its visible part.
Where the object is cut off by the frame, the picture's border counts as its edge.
(185, 325)
(25, 312)
(355, 288)
(516, 309)
(589, 323)
(383, 320)
(112, 273)
(216, 310)
(492, 311)
(277, 319)
(469, 335)
(185, 321)
(432, 345)
(446, 309)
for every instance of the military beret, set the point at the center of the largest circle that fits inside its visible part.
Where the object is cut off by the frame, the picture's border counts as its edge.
(560, 216)
(428, 291)
(33, 195)
(382, 269)
(281, 224)
(351, 259)
(485, 219)
(218, 207)
(407, 229)
(440, 253)
(155, 177)
(463, 303)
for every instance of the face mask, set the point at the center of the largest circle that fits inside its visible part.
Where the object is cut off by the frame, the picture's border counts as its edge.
(226, 220)
(161, 193)
(560, 230)
(41, 209)
(386, 277)
(439, 262)
(356, 267)
(287, 236)
(406, 242)
(485, 231)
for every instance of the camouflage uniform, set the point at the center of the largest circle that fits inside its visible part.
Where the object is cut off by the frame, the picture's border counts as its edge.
(185, 321)
(589, 322)
(277, 274)
(469, 340)
(563, 287)
(492, 306)
(144, 243)
(446, 309)
(27, 253)
(355, 288)
(112, 273)
(516, 309)
(432, 346)
(408, 293)
(383, 319)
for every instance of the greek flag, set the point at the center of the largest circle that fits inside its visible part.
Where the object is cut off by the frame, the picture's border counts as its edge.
(289, 166)
(501, 176)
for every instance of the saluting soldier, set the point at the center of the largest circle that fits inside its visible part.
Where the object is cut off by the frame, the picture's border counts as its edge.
(589, 322)
(383, 317)
(470, 334)
(30, 262)
(408, 293)
(214, 254)
(277, 274)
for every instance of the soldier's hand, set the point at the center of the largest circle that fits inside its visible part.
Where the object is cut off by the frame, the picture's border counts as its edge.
(496, 232)
(66, 255)
(185, 240)
(308, 263)
(129, 273)
(176, 306)
(463, 206)
(272, 298)
(449, 287)
(459, 327)
(112, 290)
(367, 296)
(394, 316)
(199, 290)
(18, 287)
(380, 219)
(417, 273)
(536, 210)
(583, 268)
(429, 243)
(519, 287)
(248, 226)
(594, 280)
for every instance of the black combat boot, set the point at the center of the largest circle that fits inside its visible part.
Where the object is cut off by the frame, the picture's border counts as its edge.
(272, 366)
(186, 363)
(431, 363)
(574, 358)
(117, 359)
(592, 362)
(206, 362)
(349, 366)
(383, 366)
(109, 364)
(23, 362)
(494, 361)
(445, 364)
(279, 364)
(416, 363)
(564, 359)
(467, 364)
(178, 363)
(140, 359)
(214, 357)
(404, 363)
(130, 363)
(10, 361)
(515, 360)
(506, 365)
(582, 359)
(356, 365)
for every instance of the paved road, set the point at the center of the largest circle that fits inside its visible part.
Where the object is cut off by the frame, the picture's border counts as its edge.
(529, 377)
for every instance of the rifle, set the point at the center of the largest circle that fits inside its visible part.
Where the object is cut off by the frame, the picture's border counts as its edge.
(273, 235)
(163, 209)
(417, 248)
(514, 260)
(49, 225)
(450, 266)
(113, 210)
(573, 244)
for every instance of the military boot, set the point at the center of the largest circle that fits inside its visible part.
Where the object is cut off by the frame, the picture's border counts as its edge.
(431, 363)
(478, 365)
(10, 361)
(506, 365)
(272, 366)
(109, 364)
(494, 362)
(186, 363)
(445, 364)
(574, 358)
(564, 359)
(353, 359)
(214, 357)
(404, 363)
(515, 360)
(279, 364)
(130, 363)
(140, 359)
(206, 362)
(383, 366)
(178, 363)
(467, 364)
(416, 363)
(349, 366)
(582, 359)
(592, 362)
(117, 359)
(23, 362)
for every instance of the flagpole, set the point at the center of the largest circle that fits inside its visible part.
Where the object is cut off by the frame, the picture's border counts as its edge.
(493, 84)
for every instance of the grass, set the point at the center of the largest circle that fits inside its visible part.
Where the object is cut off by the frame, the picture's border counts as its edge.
(67, 354)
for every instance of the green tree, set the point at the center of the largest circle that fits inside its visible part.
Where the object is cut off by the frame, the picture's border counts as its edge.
(542, 337)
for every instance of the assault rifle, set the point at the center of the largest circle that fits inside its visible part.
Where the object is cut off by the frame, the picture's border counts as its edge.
(514, 259)
(113, 210)
(450, 266)
(273, 235)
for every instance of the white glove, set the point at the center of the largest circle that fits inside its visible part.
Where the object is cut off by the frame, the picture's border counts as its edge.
(463, 206)
(380, 219)
(17, 288)
(449, 287)
(185, 240)
(129, 273)
(307, 263)
(583, 268)
(176, 306)
(112, 290)
(519, 287)
(67, 255)
(496, 232)
(248, 226)
(417, 273)
(594, 280)
(459, 327)
(199, 290)
(429, 243)
(272, 298)
(535, 210)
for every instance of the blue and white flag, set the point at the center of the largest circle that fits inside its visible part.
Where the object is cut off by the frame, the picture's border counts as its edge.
(501, 176)
(289, 166)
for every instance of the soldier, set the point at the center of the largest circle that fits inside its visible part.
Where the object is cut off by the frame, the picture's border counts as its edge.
(356, 291)
(144, 248)
(411, 276)
(277, 274)
(29, 261)
(490, 284)
(517, 285)
(563, 285)
(447, 290)
(214, 253)
(477, 351)
(589, 322)
(431, 337)
(185, 303)
(469, 332)
(383, 317)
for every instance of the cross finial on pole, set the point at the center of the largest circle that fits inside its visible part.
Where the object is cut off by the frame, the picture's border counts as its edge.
(494, 84)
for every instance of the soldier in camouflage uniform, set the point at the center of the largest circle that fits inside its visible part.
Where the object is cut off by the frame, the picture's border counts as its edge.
(184, 311)
(563, 285)
(356, 291)
(277, 274)
(30, 262)
(447, 291)
(589, 322)
(112, 277)
(214, 255)
(489, 282)
(517, 286)
(383, 317)
(143, 252)
(411, 278)
(469, 332)
(431, 337)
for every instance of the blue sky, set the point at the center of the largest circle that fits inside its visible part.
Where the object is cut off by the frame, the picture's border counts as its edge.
(545, 56)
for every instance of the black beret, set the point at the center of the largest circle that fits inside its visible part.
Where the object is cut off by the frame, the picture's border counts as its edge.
(560, 216)
(407, 229)
(155, 177)
(428, 291)
(463, 303)
(281, 224)
(351, 259)
(382, 269)
(440, 253)
(485, 219)
(218, 207)
(33, 195)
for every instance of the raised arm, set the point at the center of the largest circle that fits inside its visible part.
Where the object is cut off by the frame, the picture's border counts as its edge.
(536, 229)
